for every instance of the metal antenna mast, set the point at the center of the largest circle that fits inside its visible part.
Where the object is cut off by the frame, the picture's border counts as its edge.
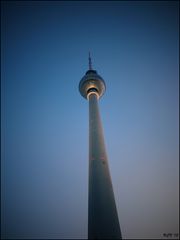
(90, 63)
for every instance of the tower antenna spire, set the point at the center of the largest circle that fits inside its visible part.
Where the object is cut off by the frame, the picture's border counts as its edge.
(90, 63)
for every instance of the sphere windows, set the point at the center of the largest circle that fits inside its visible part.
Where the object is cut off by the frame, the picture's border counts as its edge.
(92, 90)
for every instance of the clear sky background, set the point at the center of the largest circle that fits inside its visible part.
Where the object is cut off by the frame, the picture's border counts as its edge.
(134, 47)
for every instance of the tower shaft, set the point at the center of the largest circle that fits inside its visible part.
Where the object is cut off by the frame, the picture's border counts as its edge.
(102, 213)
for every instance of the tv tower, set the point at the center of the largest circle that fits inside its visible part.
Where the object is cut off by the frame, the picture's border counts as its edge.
(103, 220)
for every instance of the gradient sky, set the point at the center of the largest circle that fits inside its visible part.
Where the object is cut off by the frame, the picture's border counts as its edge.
(134, 47)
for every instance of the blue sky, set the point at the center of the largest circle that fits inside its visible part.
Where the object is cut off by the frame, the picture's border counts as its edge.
(134, 47)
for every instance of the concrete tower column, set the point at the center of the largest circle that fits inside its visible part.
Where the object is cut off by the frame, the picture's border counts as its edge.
(102, 214)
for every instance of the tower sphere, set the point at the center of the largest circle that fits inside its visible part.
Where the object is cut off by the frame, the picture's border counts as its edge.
(92, 82)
